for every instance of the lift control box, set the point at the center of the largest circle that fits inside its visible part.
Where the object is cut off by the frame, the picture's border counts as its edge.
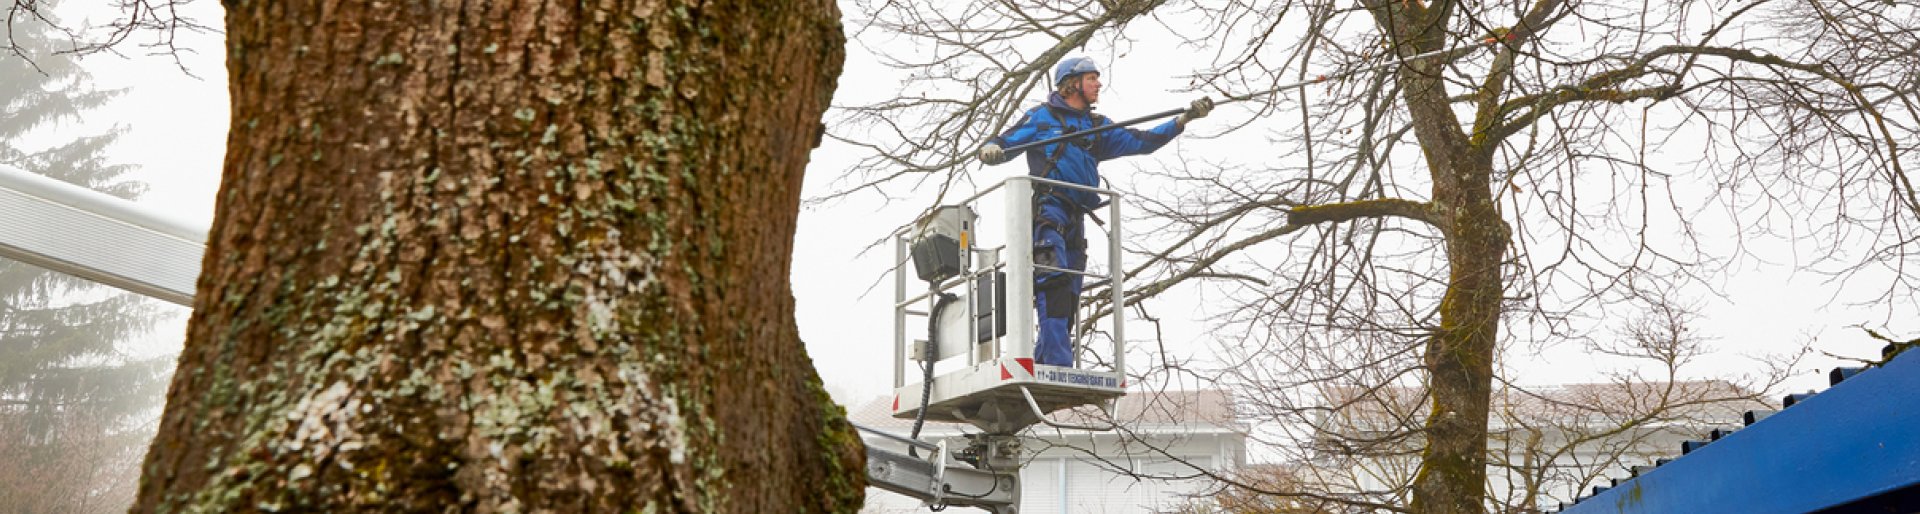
(939, 242)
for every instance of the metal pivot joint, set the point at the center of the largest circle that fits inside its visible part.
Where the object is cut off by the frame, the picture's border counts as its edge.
(984, 475)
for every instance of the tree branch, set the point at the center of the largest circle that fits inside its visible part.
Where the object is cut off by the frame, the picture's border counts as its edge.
(1298, 217)
(1547, 102)
(1600, 87)
(1488, 109)
(1375, 208)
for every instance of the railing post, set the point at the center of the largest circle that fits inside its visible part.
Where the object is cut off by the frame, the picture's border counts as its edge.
(1019, 261)
(899, 311)
(1116, 288)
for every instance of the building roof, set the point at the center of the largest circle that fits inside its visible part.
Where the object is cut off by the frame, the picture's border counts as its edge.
(1690, 402)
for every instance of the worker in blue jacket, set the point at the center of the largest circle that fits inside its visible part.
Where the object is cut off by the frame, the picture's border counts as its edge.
(1059, 235)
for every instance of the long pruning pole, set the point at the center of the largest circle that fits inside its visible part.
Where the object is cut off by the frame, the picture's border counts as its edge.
(1231, 99)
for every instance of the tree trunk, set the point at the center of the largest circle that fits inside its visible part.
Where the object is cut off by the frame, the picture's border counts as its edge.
(510, 256)
(1459, 357)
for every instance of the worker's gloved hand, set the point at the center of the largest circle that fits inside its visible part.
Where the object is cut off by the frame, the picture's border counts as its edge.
(992, 154)
(1196, 110)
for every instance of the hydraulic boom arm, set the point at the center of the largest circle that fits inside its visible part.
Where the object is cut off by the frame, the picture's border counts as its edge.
(936, 479)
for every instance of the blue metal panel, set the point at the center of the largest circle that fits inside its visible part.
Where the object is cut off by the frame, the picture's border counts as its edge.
(1856, 441)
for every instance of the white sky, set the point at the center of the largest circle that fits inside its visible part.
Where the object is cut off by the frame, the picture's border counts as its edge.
(176, 130)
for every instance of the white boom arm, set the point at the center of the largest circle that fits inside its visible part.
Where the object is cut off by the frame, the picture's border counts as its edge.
(92, 235)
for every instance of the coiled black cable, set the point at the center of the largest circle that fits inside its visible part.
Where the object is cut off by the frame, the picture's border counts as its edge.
(926, 361)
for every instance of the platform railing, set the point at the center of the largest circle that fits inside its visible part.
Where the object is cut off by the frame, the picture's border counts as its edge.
(1015, 258)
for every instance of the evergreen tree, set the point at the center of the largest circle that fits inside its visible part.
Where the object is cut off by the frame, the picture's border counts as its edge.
(75, 408)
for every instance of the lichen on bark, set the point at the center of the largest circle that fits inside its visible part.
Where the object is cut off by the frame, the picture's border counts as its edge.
(535, 257)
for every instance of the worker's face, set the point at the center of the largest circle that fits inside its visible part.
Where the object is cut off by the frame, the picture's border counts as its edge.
(1090, 87)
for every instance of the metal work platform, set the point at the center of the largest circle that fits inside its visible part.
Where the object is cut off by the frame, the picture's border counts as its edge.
(993, 394)
(984, 372)
(1852, 449)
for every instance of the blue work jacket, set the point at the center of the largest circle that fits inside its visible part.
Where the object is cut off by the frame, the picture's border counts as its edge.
(1078, 161)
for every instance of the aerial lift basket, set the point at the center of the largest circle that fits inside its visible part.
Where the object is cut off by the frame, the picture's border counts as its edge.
(985, 374)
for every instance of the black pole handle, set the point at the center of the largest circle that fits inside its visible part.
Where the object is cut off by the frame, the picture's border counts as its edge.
(1096, 130)
(1231, 99)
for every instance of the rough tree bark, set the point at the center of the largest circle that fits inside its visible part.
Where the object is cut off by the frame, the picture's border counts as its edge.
(1459, 355)
(509, 256)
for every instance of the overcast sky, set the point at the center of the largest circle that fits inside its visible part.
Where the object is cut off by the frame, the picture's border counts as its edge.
(176, 127)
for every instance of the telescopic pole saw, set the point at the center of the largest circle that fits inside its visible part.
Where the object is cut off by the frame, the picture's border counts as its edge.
(1231, 99)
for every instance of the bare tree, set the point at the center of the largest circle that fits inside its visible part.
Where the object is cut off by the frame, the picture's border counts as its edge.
(1466, 167)
(77, 461)
(1545, 442)
(1352, 443)
(509, 256)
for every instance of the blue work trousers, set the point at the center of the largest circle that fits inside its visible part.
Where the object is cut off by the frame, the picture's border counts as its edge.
(1059, 240)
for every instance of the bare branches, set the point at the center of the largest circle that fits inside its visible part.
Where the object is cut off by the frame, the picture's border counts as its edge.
(162, 19)
(975, 46)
